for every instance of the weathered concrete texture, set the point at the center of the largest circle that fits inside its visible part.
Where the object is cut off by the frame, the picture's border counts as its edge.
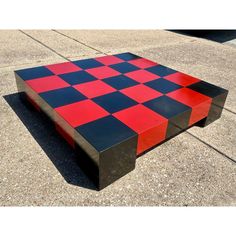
(111, 41)
(18, 49)
(38, 168)
(61, 44)
(204, 59)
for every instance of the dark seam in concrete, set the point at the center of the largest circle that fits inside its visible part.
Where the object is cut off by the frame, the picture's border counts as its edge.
(79, 42)
(223, 154)
(44, 45)
(229, 110)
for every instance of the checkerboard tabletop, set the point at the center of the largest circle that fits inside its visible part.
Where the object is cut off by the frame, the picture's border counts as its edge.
(116, 107)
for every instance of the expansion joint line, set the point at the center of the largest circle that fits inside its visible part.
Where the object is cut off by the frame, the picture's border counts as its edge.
(210, 146)
(60, 55)
(78, 41)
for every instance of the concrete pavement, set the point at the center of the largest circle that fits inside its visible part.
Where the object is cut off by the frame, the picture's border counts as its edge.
(37, 167)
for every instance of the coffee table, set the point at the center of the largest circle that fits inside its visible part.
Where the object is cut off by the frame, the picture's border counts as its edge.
(114, 108)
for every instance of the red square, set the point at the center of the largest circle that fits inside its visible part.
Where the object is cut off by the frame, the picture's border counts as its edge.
(142, 76)
(181, 79)
(200, 103)
(199, 112)
(141, 93)
(142, 63)
(62, 68)
(109, 60)
(94, 88)
(82, 112)
(150, 126)
(188, 97)
(47, 83)
(103, 72)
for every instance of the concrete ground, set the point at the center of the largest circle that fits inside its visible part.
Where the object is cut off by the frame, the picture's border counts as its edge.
(196, 168)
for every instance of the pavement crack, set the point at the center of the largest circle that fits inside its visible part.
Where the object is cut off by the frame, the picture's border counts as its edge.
(210, 146)
(78, 41)
(60, 55)
(227, 109)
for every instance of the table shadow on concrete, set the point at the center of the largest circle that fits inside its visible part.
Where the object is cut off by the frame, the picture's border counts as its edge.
(58, 151)
(65, 159)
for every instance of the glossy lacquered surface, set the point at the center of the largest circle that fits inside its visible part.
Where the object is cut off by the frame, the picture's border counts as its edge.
(114, 108)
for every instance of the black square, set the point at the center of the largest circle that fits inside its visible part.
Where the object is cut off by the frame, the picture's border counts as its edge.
(124, 67)
(114, 102)
(34, 73)
(105, 132)
(88, 63)
(120, 82)
(161, 70)
(207, 89)
(178, 114)
(166, 106)
(163, 85)
(61, 97)
(127, 56)
(77, 77)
